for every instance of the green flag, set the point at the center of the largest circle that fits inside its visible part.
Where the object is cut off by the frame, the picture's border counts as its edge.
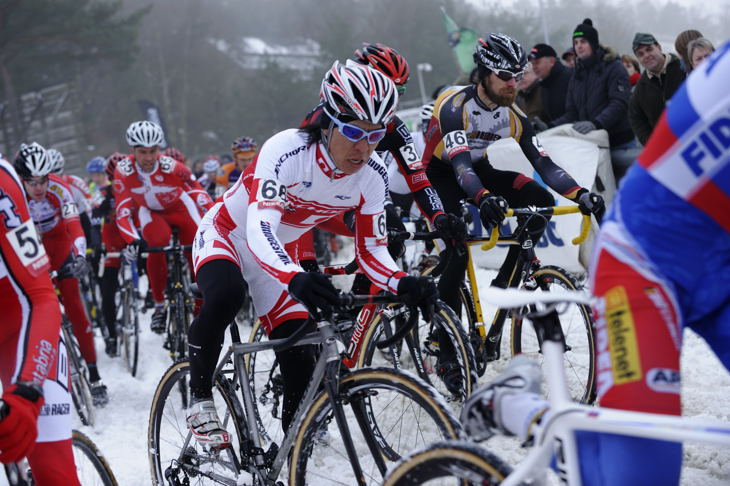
(462, 41)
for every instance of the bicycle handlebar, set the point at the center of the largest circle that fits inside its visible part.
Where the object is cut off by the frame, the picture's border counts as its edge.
(349, 300)
(585, 226)
(165, 249)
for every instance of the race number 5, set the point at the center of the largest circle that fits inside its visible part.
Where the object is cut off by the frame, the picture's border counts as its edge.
(456, 142)
(24, 240)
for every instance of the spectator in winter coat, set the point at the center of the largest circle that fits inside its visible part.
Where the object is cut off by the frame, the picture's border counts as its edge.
(680, 46)
(662, 76)
(568, 58)
(598, 97)
(698, 50)
(632, 69)
(554, 80)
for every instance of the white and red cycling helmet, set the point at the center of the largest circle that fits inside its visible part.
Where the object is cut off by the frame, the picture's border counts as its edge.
(358, 92)
(144, 134)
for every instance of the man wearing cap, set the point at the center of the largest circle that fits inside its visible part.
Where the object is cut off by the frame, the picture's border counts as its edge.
(598, 97)
(568, 57)
(554, 80)
(662, 76)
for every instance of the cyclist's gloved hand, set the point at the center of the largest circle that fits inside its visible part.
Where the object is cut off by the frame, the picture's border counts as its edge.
(451, 228)
(131, 251)
(75, 266)
(492, 210)
(584, 126)
(420, 291)
(315, 291)
(590, 201)
(18, 429)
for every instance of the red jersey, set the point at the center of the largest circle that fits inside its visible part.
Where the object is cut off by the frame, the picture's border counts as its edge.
(31, 314)
(57, 217)
(169, 187)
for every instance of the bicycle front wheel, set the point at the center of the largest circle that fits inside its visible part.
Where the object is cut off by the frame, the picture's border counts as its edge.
(173, 451)
(80, 387)
(425, 339)
(393, 411)
(577, 326)
(91, 467)
(130, 328)
(449, 462)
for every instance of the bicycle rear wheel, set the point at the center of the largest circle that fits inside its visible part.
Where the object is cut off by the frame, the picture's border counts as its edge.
(91, 467)
(447, 463)
(577, 325)
(400, 411)
(173, 452)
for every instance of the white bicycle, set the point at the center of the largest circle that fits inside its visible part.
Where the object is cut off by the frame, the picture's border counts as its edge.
(460, 462)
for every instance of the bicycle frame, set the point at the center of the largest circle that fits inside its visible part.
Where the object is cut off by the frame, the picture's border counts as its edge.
(326, 370)
(522, 269)
(555, 436)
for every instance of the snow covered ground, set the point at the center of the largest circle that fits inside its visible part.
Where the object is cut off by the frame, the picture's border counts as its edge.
(121, 430)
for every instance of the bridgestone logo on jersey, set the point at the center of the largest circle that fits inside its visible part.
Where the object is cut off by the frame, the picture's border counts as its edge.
(274, 243)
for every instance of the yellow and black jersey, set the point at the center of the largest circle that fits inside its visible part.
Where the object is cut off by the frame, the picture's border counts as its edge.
(462, 129)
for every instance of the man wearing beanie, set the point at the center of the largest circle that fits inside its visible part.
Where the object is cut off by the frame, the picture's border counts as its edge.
(554, 80)
(598, 97)
(662, 76)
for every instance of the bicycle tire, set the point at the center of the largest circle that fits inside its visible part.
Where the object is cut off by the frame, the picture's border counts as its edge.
(80, 386)
(463, 462)
(577, 326)
(130, 329)
(101, 473)
(313, 450)
(171, 447)
(425, 335)
(475, 339)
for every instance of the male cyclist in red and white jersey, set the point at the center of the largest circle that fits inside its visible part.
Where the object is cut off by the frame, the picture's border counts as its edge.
(159, 193)
(56, 217)
(300, 178)
(35, 409)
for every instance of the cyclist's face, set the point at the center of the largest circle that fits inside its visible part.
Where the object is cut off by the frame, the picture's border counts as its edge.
(350, 157)
(146, 157)
(36, 187)
(244, 159)
(503, 93)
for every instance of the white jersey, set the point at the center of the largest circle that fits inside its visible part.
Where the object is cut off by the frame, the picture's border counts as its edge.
(290, 188)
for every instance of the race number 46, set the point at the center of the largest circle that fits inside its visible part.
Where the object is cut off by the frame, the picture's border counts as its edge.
(456, 142)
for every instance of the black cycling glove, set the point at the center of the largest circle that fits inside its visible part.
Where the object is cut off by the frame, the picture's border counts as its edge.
(420, 291)
(452, 228)
(592, 202)
(315, 291)
(492, 210)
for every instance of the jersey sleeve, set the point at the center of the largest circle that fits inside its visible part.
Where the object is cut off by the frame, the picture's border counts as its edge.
(24, 262)
(266, 205)
(399, 143)
(452, 127)
(126, 207)
(194, 189)
(371, 236)
(553, 175)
